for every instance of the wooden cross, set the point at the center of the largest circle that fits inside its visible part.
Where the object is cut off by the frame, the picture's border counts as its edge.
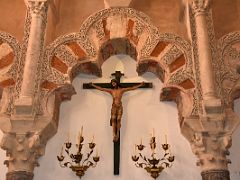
(117, 76)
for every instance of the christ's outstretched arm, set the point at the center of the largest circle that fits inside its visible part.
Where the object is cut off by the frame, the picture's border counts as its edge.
(100, 88)
(133, 87)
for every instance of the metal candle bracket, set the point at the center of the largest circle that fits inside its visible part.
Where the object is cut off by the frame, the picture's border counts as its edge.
(154, 166)
(77, 162)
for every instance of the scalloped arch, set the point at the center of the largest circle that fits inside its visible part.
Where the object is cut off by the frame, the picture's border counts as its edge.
(9, 61)
(230, 80)
(128, 32)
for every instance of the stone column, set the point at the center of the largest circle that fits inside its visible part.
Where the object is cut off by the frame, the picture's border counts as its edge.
(211, 103)
(211, 137)
(38, 10)
(200, 9)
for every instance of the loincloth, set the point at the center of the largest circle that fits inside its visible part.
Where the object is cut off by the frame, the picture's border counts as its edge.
(117, 109)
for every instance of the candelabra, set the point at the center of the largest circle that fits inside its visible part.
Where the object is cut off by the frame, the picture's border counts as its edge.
(154, 166)
(77, 163)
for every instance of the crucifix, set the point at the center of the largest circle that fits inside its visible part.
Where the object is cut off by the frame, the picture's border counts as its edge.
(116, 89)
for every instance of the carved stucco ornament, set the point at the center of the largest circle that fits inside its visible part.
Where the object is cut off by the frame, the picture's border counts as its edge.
(166, 55)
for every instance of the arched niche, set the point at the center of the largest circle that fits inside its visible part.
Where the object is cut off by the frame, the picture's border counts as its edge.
(142, 111)
(110, 32)
(118, 31)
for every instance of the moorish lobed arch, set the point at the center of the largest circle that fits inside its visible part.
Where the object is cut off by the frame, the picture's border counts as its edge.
(166, 55)
(229, 46)
(229, 74)
(10, 54)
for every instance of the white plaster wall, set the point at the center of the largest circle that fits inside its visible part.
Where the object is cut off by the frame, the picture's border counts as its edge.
(234, 167)
(142, 112)
(3, 168)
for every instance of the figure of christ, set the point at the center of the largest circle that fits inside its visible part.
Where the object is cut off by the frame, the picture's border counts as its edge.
(117, 109)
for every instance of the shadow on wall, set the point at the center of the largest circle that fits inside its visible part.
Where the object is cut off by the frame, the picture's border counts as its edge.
(3, 168)
(234, 167)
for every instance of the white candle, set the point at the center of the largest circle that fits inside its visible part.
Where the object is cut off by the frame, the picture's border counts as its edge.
(135, 149)
(81, 131)
(165, 139)
(61, 153)
(68, 140)
(97, 153)
(78, 138)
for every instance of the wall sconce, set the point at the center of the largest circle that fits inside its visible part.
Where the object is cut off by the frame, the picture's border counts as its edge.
(154, 166)
(77, 163)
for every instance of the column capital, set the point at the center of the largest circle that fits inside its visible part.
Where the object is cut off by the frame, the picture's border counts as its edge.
(23, 150)
(211, 150)
(200, 6)
(37, 7)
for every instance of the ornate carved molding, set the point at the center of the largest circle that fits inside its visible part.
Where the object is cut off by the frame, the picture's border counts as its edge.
(166, 55)
(211, 150)
(8, 70)
(19, 175)
(23, 150)
(200, 6)
(216, 175)
(229, 75)
(37, 8)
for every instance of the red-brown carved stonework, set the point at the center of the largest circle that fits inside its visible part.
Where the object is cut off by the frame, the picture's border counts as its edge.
(179, 62)
(77, 50)
(130, 33)
(187, 84)
(106, 31)
(6, 60)
(59, 65)
(48, 85)
(7, 83)
(158, 49)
